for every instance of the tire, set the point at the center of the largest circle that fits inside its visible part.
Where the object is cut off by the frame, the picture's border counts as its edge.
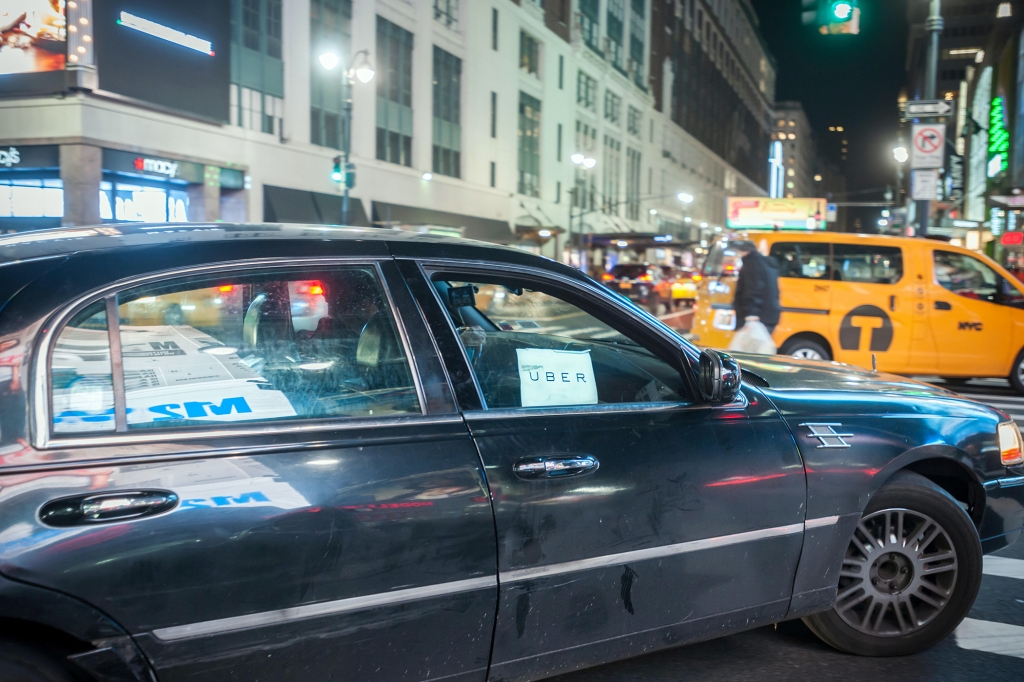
(902, 611)
(22, 661)
(1017, 373)
(956, 381)
(805, 349)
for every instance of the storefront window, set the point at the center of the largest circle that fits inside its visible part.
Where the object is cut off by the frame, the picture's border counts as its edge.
(31, 198)
(136, 203)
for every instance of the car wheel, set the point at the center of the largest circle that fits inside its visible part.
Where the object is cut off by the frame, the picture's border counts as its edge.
(805, 349)
(24, 662)
(1017, 374)
(956, 381)
(911, 573)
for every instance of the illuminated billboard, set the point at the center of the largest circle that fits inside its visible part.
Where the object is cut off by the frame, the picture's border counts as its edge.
(783, 214)
(33, 36)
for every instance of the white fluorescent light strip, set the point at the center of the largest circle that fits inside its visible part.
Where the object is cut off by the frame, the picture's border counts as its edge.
(163, 32)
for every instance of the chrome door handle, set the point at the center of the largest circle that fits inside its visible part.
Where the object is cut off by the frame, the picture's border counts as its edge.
(555, 467)
(85, 510)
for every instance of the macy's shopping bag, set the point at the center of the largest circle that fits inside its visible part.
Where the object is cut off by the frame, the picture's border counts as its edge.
(753, 337)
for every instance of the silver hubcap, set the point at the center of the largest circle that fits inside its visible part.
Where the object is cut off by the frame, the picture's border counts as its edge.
(898, 575)
(1020, 372)
(807, 354)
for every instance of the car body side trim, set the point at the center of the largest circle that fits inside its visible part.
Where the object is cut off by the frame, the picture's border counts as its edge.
(1011, 482)
(650, 553)
(252, 620)
(821, 522)
(806, 311)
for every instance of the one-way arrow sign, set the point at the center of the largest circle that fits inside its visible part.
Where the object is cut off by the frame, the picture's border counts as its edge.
(929, 107)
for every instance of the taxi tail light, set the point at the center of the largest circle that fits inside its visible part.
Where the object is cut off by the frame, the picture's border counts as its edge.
(227, 288)
(316, 289)
(695, 277)
(1011, 445)
(645, 278)
(607, 277)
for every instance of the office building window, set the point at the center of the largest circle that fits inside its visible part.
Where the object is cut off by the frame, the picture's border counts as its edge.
(529, 53)
(633, 120)
(394, 93)
(447, 12)
(251, 24)
(274, 28)
(493, 173)
(561, 70)
(590, 24)
(494, 114)
(632, 184)
(529, 145)
(637, 32)
(257, 72)
(610, 175)
(615, 31)
(586, 91)
(558, 153)
(612, 107)
(494, 29)
(330, 24)
(447, 146)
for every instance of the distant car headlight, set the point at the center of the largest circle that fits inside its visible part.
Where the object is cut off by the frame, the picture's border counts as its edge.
(1011, 446)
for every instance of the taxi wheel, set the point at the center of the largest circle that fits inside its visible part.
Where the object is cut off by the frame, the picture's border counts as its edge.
(1017, 374)
(23, 662)
(911, 573)
(805, 349)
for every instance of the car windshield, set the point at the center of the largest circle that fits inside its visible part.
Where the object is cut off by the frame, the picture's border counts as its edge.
(723, 260)
(630, 270)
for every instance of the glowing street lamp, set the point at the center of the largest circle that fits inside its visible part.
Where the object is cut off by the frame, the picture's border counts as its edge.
(685, 198)
(329, 60)
(900, 154)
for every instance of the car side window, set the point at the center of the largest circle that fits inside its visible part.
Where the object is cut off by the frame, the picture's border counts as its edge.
(966, 276)
(802, 260)
(867, 263)
(81, 381)
(258, 346)
(531, 347)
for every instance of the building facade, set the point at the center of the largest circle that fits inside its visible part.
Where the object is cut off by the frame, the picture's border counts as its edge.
(471, 123)
(793, 130)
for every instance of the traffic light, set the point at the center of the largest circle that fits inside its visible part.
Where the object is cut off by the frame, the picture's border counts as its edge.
(336, 173)
(833, 17)
(350, 175)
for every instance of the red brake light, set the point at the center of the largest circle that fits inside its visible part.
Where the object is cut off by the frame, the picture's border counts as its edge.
(316, 289)
(607, 277)
(1013, 238)
(226, 288)
(645, 278)
(696, 277)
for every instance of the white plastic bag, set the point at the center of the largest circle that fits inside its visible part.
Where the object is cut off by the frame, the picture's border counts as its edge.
(753, 337)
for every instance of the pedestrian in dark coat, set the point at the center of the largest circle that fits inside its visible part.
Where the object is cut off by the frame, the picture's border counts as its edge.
(757, 289)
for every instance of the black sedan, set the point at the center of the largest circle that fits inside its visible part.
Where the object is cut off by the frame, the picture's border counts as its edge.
(283, 453)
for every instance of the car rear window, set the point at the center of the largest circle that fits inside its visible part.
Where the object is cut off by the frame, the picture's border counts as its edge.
(249, 347)
(723, 260)
(632, 270)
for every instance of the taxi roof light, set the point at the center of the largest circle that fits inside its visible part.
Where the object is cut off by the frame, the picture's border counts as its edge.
(1011, 445)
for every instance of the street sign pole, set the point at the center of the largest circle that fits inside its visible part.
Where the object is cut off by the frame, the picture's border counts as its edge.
(933, 25)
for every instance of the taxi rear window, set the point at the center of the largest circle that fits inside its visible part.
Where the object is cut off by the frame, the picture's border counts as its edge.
(723, 260)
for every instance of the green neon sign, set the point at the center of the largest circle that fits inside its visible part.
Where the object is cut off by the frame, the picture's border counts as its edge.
(998, 139)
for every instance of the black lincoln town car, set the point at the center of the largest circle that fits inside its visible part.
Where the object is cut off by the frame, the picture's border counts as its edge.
(278, 453)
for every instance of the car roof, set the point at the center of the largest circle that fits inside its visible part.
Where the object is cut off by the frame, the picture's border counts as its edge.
(39, 244)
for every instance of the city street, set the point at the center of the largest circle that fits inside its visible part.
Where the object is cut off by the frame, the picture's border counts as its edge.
(987, 646)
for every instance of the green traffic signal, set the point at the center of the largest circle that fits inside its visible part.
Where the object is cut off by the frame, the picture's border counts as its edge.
(842, 10)
(336, 173)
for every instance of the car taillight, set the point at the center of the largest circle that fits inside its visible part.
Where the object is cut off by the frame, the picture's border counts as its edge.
(645, 278)
(606, 277)
(226, 288)
(1011, 447)
(696, 277)
(316, 290)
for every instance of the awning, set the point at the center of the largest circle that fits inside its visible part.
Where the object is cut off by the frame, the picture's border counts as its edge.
(284, 205)
(472, 227)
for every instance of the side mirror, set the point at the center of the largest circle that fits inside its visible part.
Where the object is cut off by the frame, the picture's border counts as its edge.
(718, 377)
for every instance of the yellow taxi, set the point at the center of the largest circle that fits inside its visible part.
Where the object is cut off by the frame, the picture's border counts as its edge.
(919, 306)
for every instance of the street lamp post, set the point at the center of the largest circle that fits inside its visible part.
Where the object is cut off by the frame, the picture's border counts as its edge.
(901, 155)
(361, 70)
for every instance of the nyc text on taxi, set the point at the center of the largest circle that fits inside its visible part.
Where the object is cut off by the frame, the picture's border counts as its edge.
(284, 452)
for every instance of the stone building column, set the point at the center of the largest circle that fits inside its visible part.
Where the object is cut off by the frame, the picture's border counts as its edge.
(81, 169)
(204, 199)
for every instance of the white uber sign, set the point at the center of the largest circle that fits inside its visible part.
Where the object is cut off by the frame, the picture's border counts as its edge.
(556, 377)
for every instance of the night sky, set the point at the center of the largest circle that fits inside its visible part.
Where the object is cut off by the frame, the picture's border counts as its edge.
(852, 81)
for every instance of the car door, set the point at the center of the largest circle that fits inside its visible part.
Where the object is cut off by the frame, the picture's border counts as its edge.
(264, 478)
(629, 514)
(973, 328)
(805, 286)
(873, 304)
